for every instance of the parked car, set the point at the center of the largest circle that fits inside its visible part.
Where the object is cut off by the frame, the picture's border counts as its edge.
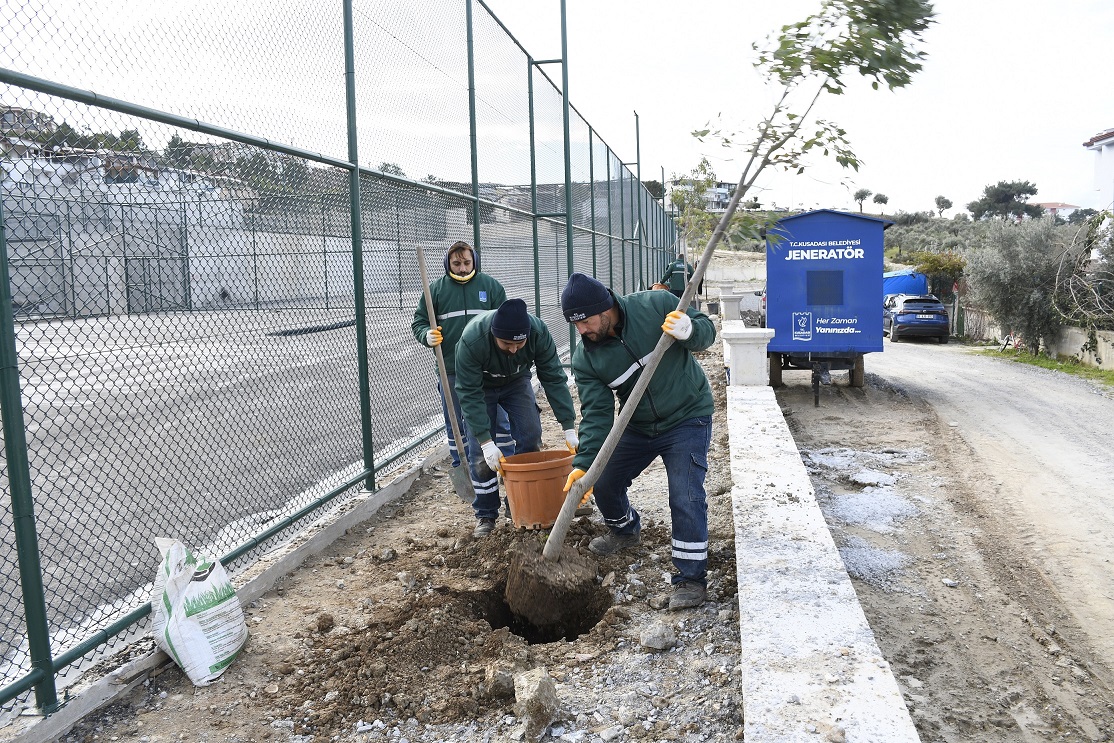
(907, 315)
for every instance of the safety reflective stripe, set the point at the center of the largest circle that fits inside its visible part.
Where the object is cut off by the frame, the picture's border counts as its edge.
(690, 550)
(490, 486)
(459, 313)
(630, 370)
(620, 522)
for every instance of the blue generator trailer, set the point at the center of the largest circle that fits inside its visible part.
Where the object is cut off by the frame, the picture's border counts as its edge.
(823, 289)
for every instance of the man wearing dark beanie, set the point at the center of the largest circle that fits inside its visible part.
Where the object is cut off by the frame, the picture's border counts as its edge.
(493, 362)
(673, 419)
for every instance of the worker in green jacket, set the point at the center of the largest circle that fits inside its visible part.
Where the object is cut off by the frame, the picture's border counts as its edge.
(673, 418)
(677, 275)
(493, 363)
(460, 295)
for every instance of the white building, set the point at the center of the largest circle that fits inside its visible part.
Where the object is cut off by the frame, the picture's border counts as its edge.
(1102, 144)
(717, 196)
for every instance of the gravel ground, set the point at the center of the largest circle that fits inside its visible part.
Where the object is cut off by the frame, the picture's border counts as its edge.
(399, 632)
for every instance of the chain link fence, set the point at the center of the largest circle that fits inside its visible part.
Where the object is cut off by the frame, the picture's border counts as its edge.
(206, 333)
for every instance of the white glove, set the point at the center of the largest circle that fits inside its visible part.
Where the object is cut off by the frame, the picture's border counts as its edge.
(433, 337)
(572, 440)
(492, 455)
(678, 325)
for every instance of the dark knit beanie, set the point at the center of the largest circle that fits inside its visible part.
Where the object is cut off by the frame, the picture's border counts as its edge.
(583, 297)
(511, 321)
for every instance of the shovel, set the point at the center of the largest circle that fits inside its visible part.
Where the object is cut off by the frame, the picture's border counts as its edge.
(459, 476)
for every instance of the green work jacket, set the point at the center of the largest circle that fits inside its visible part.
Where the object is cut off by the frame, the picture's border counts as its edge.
(480, 364)
(456, 304)
(603, 371)
(677, 275)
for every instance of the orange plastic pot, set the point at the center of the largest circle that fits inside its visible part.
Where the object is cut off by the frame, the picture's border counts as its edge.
(534, 482)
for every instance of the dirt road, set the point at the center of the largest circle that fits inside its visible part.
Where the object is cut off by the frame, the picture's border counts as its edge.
(1047, 442)
(971, 503)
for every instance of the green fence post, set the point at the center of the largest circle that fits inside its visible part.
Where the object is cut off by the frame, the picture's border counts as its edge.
(324, 249)
(357, 245)
(71, 285)
(622, 228)
(610, 234)
(592, 193)
(23, 505)
(254, 263)
(639, 228)
(187, 285)
(534, 187)
(472, 140)
(568, 154)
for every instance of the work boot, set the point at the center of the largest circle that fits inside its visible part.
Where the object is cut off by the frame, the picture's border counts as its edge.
(610, 543)
(485, 527)
(687, 595)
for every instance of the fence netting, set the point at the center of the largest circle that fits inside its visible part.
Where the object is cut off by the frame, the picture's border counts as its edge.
(183, 286)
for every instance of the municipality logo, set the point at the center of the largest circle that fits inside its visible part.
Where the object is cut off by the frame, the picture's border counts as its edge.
(802, 326)
(483, 296)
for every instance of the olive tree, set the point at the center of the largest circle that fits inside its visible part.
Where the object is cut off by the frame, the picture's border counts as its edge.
(1012, 272)
(943, 203)
(881, 199)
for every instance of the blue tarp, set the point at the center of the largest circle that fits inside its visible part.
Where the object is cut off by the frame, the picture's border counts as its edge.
(904, 282)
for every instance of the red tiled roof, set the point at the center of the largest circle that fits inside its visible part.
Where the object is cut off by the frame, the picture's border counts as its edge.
(1101, 136)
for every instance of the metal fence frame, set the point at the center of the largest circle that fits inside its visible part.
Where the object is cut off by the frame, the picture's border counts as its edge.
(628, 255)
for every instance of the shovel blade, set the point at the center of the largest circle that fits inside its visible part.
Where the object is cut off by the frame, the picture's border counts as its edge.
(462, 483)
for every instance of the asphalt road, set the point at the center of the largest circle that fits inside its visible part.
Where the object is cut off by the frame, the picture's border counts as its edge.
(1046, 444)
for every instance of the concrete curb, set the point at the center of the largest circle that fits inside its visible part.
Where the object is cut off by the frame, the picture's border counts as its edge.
(810, 662)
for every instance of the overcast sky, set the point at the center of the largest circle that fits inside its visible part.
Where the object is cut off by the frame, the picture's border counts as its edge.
(1010, 91)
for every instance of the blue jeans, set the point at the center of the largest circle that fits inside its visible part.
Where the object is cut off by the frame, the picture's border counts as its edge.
(501, 430)
(517, 399)
(684, 451)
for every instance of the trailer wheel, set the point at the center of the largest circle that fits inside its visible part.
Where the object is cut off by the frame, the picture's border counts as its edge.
(775, 369)
(858, 372)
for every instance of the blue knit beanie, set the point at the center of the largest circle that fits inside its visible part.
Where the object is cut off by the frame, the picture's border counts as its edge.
(583, 297)
(511, 321)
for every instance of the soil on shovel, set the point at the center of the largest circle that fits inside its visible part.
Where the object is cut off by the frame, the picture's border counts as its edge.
(553, 594)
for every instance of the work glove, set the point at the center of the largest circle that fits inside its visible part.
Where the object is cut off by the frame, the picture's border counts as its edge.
(492, 456)
(678, 325)
(433, 337)
(575, 475)
(571, 440)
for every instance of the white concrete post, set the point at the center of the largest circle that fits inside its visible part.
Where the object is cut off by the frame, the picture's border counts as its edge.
(744, 353)
(729, 306)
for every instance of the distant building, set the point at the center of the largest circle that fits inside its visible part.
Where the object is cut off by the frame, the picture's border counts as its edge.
(1057, 209)
(23, 121)
(1102, 144)
(716, 197)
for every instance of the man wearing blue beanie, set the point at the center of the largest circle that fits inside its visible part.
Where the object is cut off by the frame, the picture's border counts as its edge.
(493, 362)
(673, 418)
